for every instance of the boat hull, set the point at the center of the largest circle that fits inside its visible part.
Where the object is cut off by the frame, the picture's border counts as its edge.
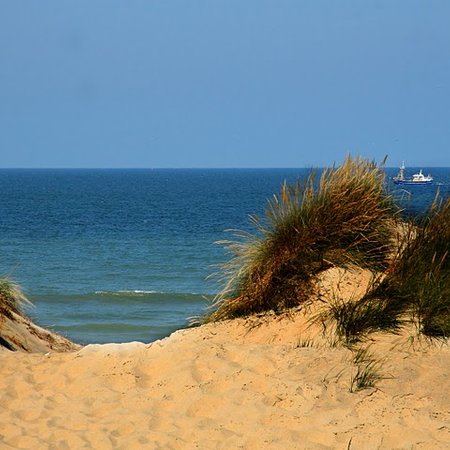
(412, 183)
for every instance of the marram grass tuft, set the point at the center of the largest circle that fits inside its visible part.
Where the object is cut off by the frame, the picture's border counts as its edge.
(415, 288)
(12, 299)
(342, 219)
(419, 280)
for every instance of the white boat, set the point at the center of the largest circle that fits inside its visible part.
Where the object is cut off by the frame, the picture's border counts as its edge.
(417, 179)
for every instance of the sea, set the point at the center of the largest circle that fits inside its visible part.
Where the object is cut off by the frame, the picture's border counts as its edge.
(127, 255)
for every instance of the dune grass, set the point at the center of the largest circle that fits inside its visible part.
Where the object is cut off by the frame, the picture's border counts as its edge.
(342, 219)
(345, 218)
(415, 288)
(12, 299)
(352, 320)
(419, 282)
(368, 370)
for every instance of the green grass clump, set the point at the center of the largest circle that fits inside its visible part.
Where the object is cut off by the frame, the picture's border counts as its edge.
(367, 370)
(344, 219)
(353, 320)
(415, 288)
(12, 298)
(420, 278)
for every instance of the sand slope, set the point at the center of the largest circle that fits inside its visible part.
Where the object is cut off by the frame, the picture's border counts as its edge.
(240, 384)
(270, 382)
(19, 333)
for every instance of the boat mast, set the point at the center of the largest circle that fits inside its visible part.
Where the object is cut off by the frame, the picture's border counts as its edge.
(401, 174)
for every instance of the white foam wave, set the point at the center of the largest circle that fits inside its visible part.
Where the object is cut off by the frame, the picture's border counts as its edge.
(127, 292)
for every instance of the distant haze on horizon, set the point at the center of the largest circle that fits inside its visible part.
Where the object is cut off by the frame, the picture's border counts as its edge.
(226, 84)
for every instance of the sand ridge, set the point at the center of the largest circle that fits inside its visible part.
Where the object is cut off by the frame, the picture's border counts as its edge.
(236, 384)
(265, 382)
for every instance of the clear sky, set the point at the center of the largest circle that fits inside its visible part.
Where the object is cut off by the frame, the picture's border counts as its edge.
(223, 83)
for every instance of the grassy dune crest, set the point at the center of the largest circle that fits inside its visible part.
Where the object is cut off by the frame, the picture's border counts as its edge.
(18, 332)
(415, 288)
(344, 218)
(420, 278)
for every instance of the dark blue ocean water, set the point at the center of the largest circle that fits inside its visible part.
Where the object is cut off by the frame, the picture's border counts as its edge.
(122, 255)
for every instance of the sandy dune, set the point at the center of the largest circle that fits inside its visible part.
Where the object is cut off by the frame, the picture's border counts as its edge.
(18, 332)
(225, 386)
(261, 383)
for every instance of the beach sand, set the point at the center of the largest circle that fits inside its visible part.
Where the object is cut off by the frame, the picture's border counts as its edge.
(269, 382)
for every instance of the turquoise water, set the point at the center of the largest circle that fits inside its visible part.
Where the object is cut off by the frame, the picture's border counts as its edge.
(122, 255)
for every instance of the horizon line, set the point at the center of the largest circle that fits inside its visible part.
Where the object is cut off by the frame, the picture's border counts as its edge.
(197, 168)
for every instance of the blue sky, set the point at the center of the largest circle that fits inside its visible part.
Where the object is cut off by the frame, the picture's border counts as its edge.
(254, 83)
